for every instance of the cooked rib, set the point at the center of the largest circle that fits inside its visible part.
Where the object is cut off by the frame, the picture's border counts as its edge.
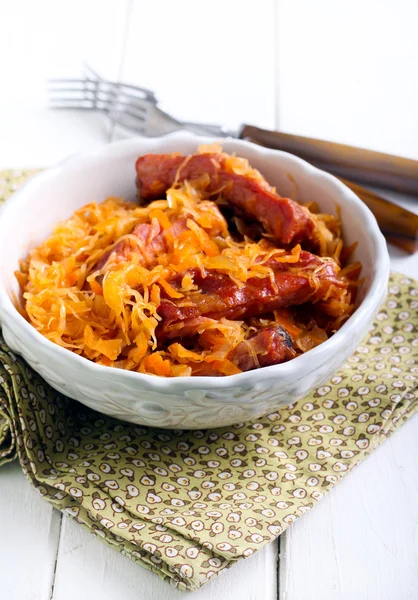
(311, 279)
(150, 242)
(270, 345)
(287, 221)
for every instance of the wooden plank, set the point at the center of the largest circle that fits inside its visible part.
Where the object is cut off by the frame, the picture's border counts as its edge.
(29, 535)
(57, 134)
(47, 39)
(345, 72)
(361, 540)
(212, 61)
(87, 568)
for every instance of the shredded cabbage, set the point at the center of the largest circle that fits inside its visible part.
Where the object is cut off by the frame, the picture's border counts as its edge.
(95, 285)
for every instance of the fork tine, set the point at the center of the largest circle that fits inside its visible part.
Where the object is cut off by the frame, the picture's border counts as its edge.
(71, 106)
(70, 90)
(105, 105)
(135, 91)
(60, 82)
(108, 96)
(118, 116)
(106, 92)
(101, 100)
(150, 94)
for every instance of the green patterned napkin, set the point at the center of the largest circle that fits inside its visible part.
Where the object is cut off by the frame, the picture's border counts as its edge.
(187, 505)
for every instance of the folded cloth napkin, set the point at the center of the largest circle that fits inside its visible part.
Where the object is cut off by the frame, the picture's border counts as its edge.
(188, 504)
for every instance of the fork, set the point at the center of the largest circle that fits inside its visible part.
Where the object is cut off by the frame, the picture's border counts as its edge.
(132, 107)
(136, 108)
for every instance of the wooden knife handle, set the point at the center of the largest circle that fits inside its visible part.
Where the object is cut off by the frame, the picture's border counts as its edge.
(367, 166)
(398, 225)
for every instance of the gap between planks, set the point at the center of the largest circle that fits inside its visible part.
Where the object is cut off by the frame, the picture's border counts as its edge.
(54, 539)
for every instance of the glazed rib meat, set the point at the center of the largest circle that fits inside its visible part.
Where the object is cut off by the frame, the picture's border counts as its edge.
(268, 346)
(250, 195)
(148, 239)
(311, 279)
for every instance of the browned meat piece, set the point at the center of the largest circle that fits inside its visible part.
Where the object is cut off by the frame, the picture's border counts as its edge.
(284, 219)
(311, 279)
(175, 327)
(269, 346)
(151, 242)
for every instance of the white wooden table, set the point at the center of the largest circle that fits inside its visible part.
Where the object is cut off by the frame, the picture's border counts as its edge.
(320, 68)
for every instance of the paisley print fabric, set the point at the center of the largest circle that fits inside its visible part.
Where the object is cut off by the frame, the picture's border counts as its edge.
(187, 505)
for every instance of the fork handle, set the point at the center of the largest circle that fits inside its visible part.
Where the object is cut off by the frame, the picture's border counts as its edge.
(366, 166)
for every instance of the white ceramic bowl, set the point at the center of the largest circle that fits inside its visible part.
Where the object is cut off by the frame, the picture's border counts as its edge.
(185, 403)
